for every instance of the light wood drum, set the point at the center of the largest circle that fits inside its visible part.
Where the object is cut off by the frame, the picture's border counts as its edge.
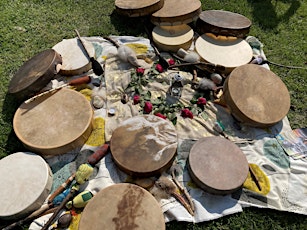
(228, 53)
(222, 22)
(172, 38)
(54, 123)
(35, 74)
(217, 165)
(25, 183)
(75, 59)
(256, 96)
(137, 8)
(176, 12)
(122, 206)
(144, 145)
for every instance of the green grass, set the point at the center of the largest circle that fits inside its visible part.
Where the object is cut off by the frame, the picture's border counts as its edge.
(28, 27)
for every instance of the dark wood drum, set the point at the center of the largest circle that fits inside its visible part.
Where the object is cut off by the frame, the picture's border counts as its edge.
(217, 165)
(222, 22)
(256, 96)
(35, 74)
(122, 206)
(144, 145)
(137, 8)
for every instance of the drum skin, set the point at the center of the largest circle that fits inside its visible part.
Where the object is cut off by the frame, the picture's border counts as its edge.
(176, 12)
(217, 165)
(144, 146)
(256, 96)
(54, 123)
(25, 183)
(137, 8)
(35, 74)
(227, 53)
(75, 59)
(222, 22)
(122, 206)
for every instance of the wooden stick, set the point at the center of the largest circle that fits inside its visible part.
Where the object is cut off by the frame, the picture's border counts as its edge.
(78, 81)
(254, 177)
(61, 188)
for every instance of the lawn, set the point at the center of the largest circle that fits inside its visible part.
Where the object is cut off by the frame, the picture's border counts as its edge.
(30, 26)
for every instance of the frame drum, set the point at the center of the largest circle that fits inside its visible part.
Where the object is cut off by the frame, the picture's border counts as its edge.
(217, 165)
(54, 123)
(144, 146)
(75, 58)
(25, 183)
(35, 74)
(172, 38)
(122, 206)
(256, 96)
(176, 12)
(227, 53)
(222, 22)
(137, 8)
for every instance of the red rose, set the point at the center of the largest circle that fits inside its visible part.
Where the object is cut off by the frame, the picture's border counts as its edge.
(159, 68)
(140, 71)
(186, 113)
(161, 115)
(136, 99)
(171, 61)
(201, 101)
(147, 107)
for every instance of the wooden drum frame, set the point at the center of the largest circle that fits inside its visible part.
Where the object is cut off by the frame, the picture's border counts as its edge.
(54, 123)
(25, 183)
(217, 165)
(144, 146)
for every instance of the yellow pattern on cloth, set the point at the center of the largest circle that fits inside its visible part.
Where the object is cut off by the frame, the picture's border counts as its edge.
(262, 178)
(97, 136)
(87, 93)
(74, 225)
(138, 47)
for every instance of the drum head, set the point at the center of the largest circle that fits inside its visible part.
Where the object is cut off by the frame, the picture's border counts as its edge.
(256, 96)
(137, 8)
(223, 23)
(176, 12)
(25, 183)
(122, 206)
(172, 38)
(228, 53)
(54, 123)
(217, 165)
(144, 145)
(75, 59)
(35, 74)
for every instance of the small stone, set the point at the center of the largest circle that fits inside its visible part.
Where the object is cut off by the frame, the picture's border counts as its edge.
(97, 102)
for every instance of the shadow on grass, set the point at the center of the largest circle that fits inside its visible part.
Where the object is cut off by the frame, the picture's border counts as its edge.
(10, 105)
(265, 12)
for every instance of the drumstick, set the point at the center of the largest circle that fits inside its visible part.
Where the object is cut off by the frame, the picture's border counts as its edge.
(92, 160)
(78, 81)
(95, 64)
(254, 177)
(61, 188)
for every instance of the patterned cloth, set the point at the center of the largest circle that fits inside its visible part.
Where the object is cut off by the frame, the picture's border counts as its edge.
(283, 180)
